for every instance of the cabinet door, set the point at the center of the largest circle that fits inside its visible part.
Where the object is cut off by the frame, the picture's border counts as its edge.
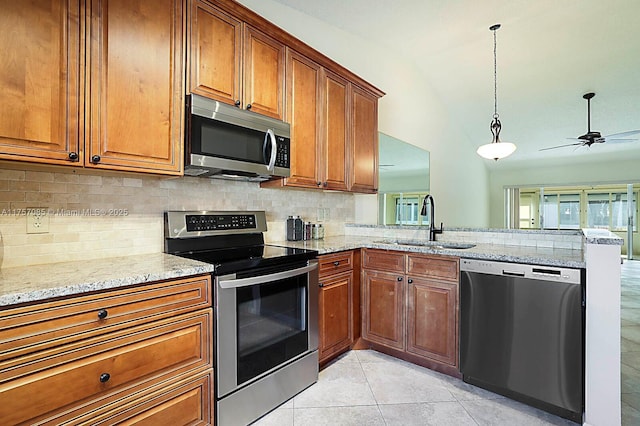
(136, 109)
(335, 314)
(336, 132)
(215, 54)
(40, 76)
(264, 66)
(303, 113)
(364, 152)
(432, 320)
(383, 304)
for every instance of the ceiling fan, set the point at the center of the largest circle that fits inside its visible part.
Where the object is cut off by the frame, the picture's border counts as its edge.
(591, 137)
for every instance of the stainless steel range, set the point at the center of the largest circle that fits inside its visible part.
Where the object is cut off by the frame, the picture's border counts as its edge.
(265, 299)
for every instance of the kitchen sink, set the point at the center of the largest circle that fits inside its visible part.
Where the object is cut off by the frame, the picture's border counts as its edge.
(442, 245)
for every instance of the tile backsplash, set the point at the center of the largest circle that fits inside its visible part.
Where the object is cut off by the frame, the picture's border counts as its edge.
(96, 215)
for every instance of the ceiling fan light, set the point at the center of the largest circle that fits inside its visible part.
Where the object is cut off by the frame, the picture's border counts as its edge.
(496, 150)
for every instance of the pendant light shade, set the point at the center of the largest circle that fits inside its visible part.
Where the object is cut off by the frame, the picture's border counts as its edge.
(496, 149)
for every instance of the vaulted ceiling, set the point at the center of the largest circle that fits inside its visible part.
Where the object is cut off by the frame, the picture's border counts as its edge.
(549, 53)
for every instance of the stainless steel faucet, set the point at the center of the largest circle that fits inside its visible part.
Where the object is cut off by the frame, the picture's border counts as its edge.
(432, 229)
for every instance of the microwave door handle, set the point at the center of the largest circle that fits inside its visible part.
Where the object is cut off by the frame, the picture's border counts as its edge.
(274, 147)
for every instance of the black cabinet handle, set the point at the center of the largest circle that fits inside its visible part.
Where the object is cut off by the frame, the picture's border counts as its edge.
(319, 183)
(104, 377)
(248, 106)
(103, 313)
(399, 278)
(336, 263)
(73, 156)
(237, 103)
(95, 159)
(409, 280)
(325, 184)
(320, 284)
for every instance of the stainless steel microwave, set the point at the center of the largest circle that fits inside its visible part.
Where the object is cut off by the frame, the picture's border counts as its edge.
(224, 141)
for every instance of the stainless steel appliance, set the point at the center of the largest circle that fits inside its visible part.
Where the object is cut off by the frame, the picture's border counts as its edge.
(522, 333)
(265, 301)
(228, 142)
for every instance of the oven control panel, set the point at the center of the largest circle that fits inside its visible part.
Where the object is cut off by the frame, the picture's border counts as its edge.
(202, 223)
(219, 222)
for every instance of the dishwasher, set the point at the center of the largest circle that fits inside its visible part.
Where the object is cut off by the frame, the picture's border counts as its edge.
(522, 333)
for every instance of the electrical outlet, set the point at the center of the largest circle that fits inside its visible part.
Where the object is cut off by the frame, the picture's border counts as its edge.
(37, 220)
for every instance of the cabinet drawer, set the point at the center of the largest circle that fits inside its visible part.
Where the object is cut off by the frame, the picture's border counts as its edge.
(335, 263)
(383, 260)
(185, 402)
(56, 380)
(41, 326)
(445, 268)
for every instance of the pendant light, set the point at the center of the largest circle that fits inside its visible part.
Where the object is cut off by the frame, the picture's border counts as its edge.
(496, 149)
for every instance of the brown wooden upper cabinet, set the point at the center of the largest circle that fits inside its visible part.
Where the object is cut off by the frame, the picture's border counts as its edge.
(135, 105)
(334, 130)
(123, 113)
(235, 63)
(364, 151)
(40, 80)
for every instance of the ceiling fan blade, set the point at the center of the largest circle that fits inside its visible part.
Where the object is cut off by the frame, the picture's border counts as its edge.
(622, 134)
(620, 140)
(562, 146)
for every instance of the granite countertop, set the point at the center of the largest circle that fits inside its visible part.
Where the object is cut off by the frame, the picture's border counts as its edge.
(40, 282)
(499, 252)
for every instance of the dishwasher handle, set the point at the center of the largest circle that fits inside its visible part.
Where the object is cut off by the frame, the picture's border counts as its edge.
(513, 273)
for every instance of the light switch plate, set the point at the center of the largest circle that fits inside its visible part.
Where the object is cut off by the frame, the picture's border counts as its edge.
(37, 220)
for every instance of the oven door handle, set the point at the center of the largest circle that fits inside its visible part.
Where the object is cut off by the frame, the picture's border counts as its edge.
(230, 281)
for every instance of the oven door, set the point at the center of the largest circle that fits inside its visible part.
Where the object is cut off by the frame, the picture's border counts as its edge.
(264, 320)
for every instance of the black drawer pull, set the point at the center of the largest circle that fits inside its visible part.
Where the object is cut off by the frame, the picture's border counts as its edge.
(399, 278)
(104, 377)
(336, 263)
(103, 313)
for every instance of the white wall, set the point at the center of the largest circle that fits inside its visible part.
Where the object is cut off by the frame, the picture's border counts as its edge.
(579, 173)
(409, 111)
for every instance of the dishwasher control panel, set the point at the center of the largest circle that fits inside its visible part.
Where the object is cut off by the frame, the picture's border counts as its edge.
(521, 270)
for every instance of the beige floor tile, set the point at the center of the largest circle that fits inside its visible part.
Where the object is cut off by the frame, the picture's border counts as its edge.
(426, 414)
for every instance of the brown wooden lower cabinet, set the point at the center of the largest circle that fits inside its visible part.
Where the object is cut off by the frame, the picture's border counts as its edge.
(410, 306)
(383, 303)
(338, 304)
(432, 319)
(143, 365)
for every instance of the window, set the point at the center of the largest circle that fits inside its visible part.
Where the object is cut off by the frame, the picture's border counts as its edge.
(619, 213)
(598, 210)
(407, 211)
(569, 211)
(561, 211)
(603, 207)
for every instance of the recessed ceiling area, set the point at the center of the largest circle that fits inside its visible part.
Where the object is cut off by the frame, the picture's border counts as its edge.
(549, 54)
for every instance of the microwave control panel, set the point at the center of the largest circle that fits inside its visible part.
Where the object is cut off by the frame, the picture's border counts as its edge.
(282, 153)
